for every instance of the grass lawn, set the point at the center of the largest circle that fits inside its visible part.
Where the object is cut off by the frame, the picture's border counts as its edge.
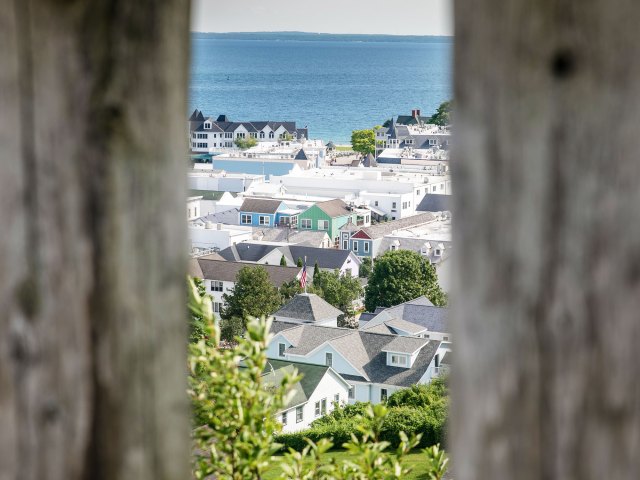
(415, 461)
(344, 148)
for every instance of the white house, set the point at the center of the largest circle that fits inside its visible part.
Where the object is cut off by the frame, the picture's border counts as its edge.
(193, 207)
(316, 394)
(219, 276)
(216, 236)
(374, 364)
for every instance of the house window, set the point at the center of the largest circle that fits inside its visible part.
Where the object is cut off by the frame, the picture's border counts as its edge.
(281, 348)
(345, 245)
(328, 359)
(240, 135)
(261, 134)
(207, 126)
(376, 203)
(216, 286)
(306, 223)
(317, 409)
(272, 135)
(383, 394)
(398, 360)
(323, 224)
(418, 192)
(336, 398)
(284, 418)
(434, 188)
(446, 339)
(264, 220)
(393, 205)
(352, 392)
(299, 414)
(355, 246)
(253, 135)
(228, 135)
(442, 186)
(217, 306)
(323, 406)
(366, 247)
(245, 218)
(438, 252)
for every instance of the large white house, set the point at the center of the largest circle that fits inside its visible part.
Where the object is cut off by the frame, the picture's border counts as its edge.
(317, 393)
(374, 364)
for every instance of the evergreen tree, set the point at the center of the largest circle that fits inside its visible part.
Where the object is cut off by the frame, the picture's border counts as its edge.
(316, 269)
(283, 261)
(300, 262)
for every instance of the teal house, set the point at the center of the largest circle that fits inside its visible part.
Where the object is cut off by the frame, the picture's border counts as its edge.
(329, 216)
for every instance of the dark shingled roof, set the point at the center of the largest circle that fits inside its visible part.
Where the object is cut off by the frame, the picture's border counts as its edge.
(434, 202)
(246, 252)
(381, 229)
(308, 307)
(420, 312)
(301, 155)
(227, 271)
(260, 205)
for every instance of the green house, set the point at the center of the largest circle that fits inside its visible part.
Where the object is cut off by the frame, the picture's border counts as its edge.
(327, 216)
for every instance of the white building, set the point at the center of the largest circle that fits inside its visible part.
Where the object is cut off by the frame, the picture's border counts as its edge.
(194, 209)
(317, 393)
(392, 192)
(374, 364)
(205, 178)
(216, 236)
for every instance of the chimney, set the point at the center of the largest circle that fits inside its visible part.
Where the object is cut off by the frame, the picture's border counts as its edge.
(415, 113)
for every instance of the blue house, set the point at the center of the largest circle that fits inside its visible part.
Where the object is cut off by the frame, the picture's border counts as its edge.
(265, 212)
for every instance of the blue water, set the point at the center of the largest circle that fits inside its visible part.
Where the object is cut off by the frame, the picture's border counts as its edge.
(331, 85)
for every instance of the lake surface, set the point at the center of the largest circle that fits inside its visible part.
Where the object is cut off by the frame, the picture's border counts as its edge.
(332, 84)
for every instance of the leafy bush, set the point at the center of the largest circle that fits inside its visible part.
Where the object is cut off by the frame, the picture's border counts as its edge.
(420, 395)
(340, 413)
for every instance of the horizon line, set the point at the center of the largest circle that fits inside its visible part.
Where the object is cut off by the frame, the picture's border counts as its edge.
(326, 33)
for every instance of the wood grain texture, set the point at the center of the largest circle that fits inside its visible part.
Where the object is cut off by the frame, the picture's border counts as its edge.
(547, 215)
(92, 189)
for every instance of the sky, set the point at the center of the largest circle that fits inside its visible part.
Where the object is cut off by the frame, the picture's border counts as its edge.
(408, 17)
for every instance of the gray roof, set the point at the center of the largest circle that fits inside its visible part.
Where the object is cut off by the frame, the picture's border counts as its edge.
(381, 229)
(310, 238)
(228, 217)
(226, 271)
(434, 202)
(416, 245)
(365, 351)
(334, 208)
(260, 205)
(404, 344)
(308, 307)
(420, 312)
(301, 155)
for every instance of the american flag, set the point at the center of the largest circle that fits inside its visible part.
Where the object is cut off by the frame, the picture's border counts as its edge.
(303, 276)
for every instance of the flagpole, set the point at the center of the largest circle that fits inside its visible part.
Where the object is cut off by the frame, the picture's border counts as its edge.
(305, 267)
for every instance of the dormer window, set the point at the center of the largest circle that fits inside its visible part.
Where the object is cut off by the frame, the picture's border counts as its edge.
(207, 126)
(272, 135)
(328, 359)
(397, 360)
(281, 349)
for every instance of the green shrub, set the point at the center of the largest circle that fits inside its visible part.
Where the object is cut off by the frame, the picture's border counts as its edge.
(342, 412)
(420, 395)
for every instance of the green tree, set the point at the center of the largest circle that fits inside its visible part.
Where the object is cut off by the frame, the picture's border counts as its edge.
(399, 276)
(299, 263)
(253, 295)
(363, 141)
(291, 288)
(245, 143)
(197, 325)
(339, 290)
(442, 116)
(283, 261)
(316, 269)
(365, 267)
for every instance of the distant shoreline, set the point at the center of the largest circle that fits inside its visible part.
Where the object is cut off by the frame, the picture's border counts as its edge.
(326, 37)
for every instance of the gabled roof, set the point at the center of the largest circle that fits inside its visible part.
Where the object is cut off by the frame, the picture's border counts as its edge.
(334, 208)
(226, 271)
(227, 217)
(365, 351)
(309, 238)
(260, 205)
(247, 252)
(398, 324)
(301, 155)
(419, 312)
(308, 307)
(326, 257)
(312, 375)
